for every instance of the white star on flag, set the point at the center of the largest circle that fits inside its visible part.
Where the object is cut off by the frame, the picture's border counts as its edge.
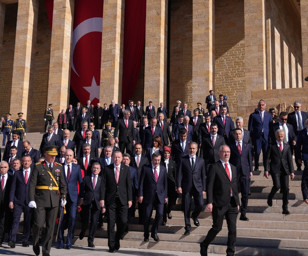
(93, 90)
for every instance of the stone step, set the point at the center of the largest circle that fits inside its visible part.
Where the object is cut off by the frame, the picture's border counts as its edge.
(269, 183)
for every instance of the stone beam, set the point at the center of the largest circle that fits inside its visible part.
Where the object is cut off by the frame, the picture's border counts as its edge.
(304, 26)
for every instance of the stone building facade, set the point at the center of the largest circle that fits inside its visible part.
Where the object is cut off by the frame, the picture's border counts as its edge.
(245, 49)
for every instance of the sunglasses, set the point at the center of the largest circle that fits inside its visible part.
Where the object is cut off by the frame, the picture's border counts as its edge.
(296, 106)
(284, 119)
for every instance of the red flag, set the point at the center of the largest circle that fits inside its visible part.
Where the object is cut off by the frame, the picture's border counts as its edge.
(86, 50)
(49, 9)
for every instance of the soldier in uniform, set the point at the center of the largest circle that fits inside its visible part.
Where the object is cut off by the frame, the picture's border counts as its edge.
(47, 186)
(106, 134)
(48, 116)
(21, 126)
(7, 128)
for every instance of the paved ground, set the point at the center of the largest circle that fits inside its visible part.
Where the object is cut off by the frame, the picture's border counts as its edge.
(99, 250)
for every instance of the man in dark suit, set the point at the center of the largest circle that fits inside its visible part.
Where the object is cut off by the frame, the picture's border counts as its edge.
(5, 211)
(189, 128)
(259, 127)
(185, 111)
(150, 110)
(132, 109)
(57, 130)
(80, 135)
(239, 123)
(117, 196)
(279, 164)
(151, 132)
(223, 200)
(162, 110)
(72, 174)
(95, 133)
(153, 192)
(114, 112)
(191, 179)
(195, 122)
(302, 146)
(297, 119)
(49, 139)
(70, 113)
(241, 158)
(93, 143)
(175, 115)
(211, 145)
(15, 142)
(177, 126)
(209, 100)
(77, 111)
(12, 156)
(105, 116)
(98, 113)
(83, 117)
(29, 151)
(142, 127)
(86, 160)
(106, 159)
(69, 144)
(165, 128)
(225, 123)
(18, 202)
(140, 111)
(180, 147)
(124, 133)
(204, 129)
(91, 201)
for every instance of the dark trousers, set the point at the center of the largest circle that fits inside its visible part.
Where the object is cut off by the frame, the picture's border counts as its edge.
(280, 181)
(7, 136)
(48, 122)
(148, 208)
(6, 217)
(186, 204)
(229, 212)
(244, 185)
(172, 196)
(44, 215)
(259, 144)
(90, 214)
(117, 214)
(18, 210)
(68, 221)
(140, 213)
(128, 145)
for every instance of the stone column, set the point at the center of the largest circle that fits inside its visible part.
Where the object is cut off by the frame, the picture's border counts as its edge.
(304, 26)
(26, 28)
(255, 51)
(202, 48)
(2, 18)
(112, 51)
(60, 50)
(155, 51)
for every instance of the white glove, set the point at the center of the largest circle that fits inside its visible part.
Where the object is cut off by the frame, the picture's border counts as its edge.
(63, 202)
(45, 119)
(32, 204)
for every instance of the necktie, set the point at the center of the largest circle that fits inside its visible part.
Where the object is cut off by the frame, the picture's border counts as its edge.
(26, 176)
(239, 147)
(192, 163)
(138, 161)
(15, 143)
(2, 182)
(300, 123)
(153, 130)
(117, 174)
(185, 112)
(162, 126)
(10, 160)
(195, 122)
(84, 134)
(229, 175)
(94, 181)
(27, 153)
(285, 139)
(187, 128)
(217, 111)
(208, 128)
(68, 172)
(126, 123)
(86, 162)
(183, 146)
(65, 143)
(155, 174)
(262, 116)
(213, 141)
(280, 146)
(224, 120)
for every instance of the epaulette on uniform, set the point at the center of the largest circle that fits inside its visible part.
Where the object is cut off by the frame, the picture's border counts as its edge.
(38, 163)
(58, 163)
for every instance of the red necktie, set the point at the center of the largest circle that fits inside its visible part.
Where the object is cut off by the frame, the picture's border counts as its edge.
(162, 126)
(213, 141)
(224, 120)
(94, 181)
(209, 128)
(217, 111)
(68, 176)
(228, 173)
(138, 161)
(280, 146)
(2, 182)
(86, 163)
(65, 143)
(26, 176)
(126, 123)
(155, 174)
(195, 121)
(117, 174)
(239, 147)
(153, 130)
(84, 134)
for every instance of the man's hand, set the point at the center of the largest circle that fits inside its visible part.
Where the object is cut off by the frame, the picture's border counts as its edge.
(140, 199)
(130, 203)
(266, 175)
(306, 201)
(250, 175)
(166, 200)
(300, 161)
(203, 193)
(102, 205)
(179, 190)
(294, 142)
(32, 204)
(209, 207)
(134, 142)
(116, 140)
(81, 201)
(292, 176)
(11, 205)
(63, 202)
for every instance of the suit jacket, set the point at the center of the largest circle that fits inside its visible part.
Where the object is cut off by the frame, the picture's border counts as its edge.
(150, 113)
(277, 161)
(59, 132)
(148, 137)
(88, 170)
(203, 132)
(54, 141)
(243, 161)
(133, 113)
(224, 130)
(293, 122)
(124, 134)
(196, 127)
(190, 133)
(143, 162)
(188, 177)
(5, 194)
(96, 136)
(19, 192)
(78, 138)
(246, 139)
(7, 149)
(166, 134)
(140, 112)
(162, 110)
(141, 133)
(291, 133)
(210, 153)
(34, 154)
(72, 183)
(114, 112)
(94, 148)
(177, 151)
(89, 194)
(218, 186)
(70, 144)
(255, 125)
(150, 189)
(111, 188)
(208, 99)
(188, 113)
(80, 119)
(134, 178)
(301, 148)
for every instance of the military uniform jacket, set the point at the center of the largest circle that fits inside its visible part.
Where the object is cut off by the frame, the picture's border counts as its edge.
(8, 126)
(40, 177)
(21, 125)
(48, 114)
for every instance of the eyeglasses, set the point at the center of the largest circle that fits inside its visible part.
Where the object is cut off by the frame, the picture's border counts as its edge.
(284, 119)
(296, 106)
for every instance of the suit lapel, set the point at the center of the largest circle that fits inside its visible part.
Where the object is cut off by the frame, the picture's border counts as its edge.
(224, 171)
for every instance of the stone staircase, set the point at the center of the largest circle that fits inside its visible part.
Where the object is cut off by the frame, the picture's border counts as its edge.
(267, 233)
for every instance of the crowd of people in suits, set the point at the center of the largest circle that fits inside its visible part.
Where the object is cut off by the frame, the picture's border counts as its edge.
(145, 159)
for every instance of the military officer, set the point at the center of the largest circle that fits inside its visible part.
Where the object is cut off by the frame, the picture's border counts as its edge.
(21, 126)
(47, 186)
(7, 128)
(48, 116)
(106, 134)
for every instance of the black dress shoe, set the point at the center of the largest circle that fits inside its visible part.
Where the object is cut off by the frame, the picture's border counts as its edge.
(112, 250)
(146, 239)
(269, 202)
(25, 244)
(11, 244)
(155, 237)
(169, 215)
(46, 254)
(286, 212)
(196, 222)
(203, 249)
(90, 244)
(244, 218)
(36, 249)
(187, 233)
(81, 235)
(117, 245)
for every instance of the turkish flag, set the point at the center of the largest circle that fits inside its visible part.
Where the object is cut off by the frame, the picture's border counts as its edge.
(86, 50)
